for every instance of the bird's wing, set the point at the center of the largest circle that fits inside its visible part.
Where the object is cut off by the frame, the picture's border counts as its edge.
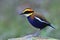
(40, 16)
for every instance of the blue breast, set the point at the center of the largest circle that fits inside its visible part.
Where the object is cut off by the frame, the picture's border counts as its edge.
(36, 23)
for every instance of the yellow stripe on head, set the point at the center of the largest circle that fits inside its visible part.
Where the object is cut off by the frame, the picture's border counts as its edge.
(27, 9)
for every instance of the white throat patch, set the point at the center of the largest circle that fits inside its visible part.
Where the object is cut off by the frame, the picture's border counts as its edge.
(28, 14)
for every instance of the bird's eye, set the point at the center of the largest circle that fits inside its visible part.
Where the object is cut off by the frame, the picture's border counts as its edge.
(27, 12)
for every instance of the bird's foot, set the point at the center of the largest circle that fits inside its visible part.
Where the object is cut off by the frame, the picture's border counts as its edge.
(36, 34)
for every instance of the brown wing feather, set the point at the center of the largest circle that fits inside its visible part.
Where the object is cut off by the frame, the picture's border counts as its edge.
(41, 16)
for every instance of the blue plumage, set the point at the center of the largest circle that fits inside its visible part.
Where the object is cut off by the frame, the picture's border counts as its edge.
(36, 23)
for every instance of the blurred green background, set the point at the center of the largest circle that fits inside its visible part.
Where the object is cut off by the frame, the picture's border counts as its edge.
(13, 25)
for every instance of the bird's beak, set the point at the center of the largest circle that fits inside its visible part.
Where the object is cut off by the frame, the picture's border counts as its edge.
(21, 13)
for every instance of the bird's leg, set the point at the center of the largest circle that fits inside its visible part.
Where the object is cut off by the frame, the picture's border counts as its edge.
(36, 34)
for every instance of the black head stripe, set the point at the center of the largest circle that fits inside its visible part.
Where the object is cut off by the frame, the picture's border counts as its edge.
(27, 12)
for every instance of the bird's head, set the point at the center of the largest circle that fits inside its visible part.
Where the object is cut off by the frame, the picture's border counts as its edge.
(27, 12)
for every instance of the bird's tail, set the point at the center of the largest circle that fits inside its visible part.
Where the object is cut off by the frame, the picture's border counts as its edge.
(52, 26)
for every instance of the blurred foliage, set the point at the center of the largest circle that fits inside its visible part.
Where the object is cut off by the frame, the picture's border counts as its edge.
(14, 25)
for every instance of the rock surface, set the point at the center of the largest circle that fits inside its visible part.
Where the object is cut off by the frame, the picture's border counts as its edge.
(30, 37)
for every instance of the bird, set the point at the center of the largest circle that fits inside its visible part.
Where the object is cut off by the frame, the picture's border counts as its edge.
(36, 20)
